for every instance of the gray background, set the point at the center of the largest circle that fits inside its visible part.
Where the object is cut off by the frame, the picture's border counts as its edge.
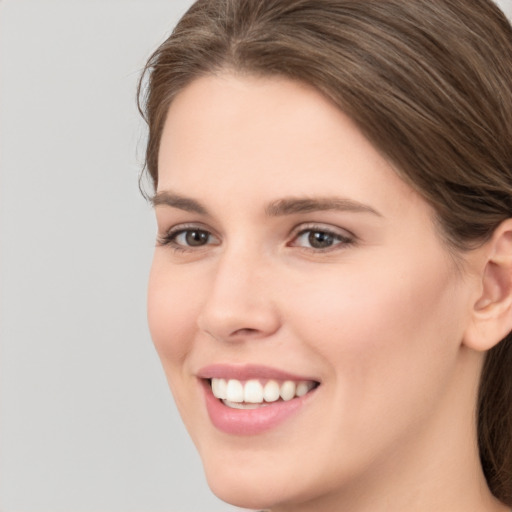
(86, 420)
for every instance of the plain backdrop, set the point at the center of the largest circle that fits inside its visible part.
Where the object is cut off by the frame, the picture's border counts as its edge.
(86, 420)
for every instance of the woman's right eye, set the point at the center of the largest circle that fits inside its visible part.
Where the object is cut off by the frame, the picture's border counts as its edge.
(192, 237)
(186, 239)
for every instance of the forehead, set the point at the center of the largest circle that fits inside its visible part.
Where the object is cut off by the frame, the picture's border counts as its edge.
(267, 137)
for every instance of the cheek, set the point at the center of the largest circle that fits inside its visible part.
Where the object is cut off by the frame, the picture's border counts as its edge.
(377, 303)
(387, 345)
(171, 314)
(382, 326)
(172, 318)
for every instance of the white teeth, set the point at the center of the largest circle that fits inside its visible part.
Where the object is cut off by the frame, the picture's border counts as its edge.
(303, 388)
(219, 388)
(253, 392)
(235, 391)
(242, 405)
(287, 390)
(271, 391)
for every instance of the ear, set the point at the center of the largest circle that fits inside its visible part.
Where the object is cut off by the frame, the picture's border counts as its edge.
(492, 312)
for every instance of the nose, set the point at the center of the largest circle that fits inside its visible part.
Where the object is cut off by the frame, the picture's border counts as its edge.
(239, 302)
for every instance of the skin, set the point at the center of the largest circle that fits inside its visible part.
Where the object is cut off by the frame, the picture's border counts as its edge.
(380, 318)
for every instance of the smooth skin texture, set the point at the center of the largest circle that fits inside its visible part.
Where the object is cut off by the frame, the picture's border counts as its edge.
(364, 297)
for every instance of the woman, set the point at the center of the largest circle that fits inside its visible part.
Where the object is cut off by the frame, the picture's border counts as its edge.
(331, 291)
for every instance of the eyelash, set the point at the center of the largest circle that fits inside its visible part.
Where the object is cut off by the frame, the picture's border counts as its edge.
(343, 240)
(169, 238)
(340, 240)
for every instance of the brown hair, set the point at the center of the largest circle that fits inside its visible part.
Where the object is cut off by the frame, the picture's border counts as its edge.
(429, 82)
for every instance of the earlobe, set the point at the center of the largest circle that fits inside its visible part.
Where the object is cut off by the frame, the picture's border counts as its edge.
(492, 312)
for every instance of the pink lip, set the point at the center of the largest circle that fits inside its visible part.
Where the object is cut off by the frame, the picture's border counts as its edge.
(246, 372)
(249, 421)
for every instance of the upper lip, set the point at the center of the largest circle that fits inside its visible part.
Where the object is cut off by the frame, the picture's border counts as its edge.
(247, 372)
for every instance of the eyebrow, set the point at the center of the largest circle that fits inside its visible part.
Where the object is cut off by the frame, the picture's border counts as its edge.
(291, 205)
(277, 208)
(176, 201)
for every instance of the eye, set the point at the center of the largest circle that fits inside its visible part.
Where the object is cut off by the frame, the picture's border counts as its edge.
(192, 237)
(319, 238)
(188, 238)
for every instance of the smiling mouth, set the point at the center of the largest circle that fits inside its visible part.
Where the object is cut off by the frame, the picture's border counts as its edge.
(255, 393)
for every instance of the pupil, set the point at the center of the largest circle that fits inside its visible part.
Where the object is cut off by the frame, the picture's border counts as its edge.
(320, 240)
(195, 238)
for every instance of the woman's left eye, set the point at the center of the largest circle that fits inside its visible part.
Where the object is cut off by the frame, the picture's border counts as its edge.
(320, 239)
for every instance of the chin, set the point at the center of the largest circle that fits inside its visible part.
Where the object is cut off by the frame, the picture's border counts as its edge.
(252, 482)
(243, 489)
(258, 480)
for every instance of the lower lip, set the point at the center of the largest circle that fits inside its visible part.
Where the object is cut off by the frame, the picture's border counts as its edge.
(250, 421)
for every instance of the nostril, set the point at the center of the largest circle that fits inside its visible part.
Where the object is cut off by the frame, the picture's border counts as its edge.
(244, 331)
(231, 318)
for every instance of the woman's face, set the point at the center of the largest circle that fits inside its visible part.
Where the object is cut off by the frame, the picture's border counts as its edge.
(291, 257)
